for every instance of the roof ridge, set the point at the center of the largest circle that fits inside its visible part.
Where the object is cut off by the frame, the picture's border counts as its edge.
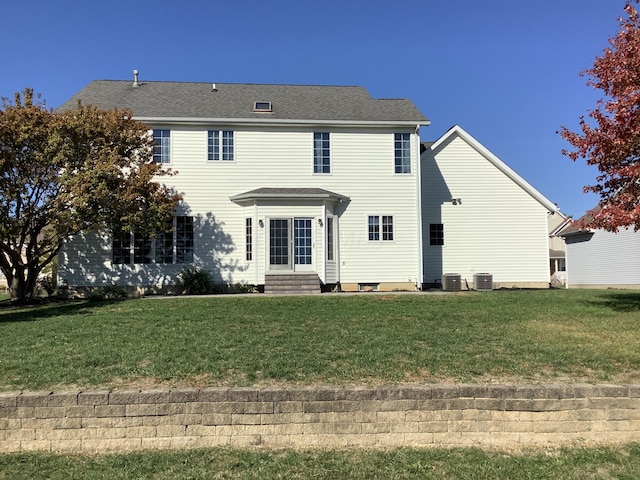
(236, 83)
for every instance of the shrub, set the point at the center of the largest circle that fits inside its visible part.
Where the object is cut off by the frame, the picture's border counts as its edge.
(47, 284)
(195, 281)
(109, 292)
(220, 287)
(243, 288)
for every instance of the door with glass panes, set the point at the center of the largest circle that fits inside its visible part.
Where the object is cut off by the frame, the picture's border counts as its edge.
(291, 244)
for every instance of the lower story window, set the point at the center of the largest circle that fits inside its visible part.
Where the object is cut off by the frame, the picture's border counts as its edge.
(184, 240)
(380, 228)
(171, 245)
(121, 247)
(436, 234)
(387, 227)
(330, 240)
(248, 231)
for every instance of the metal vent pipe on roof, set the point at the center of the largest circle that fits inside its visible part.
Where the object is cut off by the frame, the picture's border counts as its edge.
(135, 78)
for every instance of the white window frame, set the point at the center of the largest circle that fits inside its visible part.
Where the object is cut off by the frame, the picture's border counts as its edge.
(377, 228)
(319, 157)
(331, 239)
(221, 146)
(182, 249)
(248, 237)
(160, 147)
(402, 153)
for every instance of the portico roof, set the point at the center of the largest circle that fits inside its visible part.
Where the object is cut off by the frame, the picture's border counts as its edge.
(269, 193)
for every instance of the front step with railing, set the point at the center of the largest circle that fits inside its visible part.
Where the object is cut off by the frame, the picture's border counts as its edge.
(291, 283)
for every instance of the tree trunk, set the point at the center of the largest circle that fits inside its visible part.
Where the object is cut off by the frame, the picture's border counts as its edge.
(22, 286)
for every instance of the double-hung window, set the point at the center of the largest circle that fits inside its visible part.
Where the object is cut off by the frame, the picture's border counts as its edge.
(220, 146)
(402, 152)
(380, 227)
(184, 240)
(164, 245)
(321, 153)
(142, 248)
(171, 245)
(121, 247)
(162, 148)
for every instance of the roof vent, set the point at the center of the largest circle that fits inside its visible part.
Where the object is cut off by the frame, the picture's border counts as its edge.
(262, 107)
(135, 78)
(214, 88)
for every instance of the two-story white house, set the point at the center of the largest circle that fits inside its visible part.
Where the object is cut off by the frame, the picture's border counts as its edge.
(276, 180)
(322, 185)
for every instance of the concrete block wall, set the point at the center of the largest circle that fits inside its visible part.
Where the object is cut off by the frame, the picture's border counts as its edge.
(386, 416)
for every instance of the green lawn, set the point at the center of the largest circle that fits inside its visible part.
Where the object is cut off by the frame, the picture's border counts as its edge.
(575, 464)
(528, 336)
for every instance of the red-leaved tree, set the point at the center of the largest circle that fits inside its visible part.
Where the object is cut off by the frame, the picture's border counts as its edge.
(611, 139)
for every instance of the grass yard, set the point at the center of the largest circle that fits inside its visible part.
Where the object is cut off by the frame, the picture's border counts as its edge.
(577, 463)
(527, 336)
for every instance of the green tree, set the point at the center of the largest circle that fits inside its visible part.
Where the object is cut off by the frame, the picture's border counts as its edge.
(62, 173)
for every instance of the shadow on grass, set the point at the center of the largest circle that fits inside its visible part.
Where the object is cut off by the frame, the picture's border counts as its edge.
(55, 308)
(621, 302)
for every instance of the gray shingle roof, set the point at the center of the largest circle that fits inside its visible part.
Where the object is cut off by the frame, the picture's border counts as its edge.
(289, 193)
(188, 100)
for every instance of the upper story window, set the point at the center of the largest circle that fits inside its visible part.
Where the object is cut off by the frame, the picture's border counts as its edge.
(402, 152)
(162, 149)
(220, 145)
(321, 153)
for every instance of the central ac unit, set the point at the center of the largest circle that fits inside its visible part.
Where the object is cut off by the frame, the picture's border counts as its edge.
(451, 282)
(483, 282)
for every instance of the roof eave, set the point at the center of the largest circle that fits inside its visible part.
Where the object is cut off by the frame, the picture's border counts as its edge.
(282, 122)
(250, 196)
(526, 186)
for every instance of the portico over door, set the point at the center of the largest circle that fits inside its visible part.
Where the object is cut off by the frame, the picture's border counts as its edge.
(291, 244)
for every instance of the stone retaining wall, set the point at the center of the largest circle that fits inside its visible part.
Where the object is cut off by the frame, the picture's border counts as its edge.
(388, 416)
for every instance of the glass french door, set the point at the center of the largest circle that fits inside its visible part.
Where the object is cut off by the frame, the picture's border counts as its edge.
(290, 244)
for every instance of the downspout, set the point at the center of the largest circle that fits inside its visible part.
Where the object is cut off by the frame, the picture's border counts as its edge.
(420, 277)
(255, 228)
(323, 242)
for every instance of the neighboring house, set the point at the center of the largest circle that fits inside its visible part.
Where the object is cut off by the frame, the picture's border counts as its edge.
(601, 259)
(276, 179)
(557, 249)
(479, 216)
(324, 181)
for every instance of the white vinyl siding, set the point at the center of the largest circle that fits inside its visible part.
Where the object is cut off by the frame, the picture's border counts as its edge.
(604, 259)
(495, 227)
(277, 156)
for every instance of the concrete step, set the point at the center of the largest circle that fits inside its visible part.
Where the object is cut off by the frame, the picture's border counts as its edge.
(292, 283)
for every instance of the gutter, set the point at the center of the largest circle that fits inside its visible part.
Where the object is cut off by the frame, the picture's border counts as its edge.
(279, 122)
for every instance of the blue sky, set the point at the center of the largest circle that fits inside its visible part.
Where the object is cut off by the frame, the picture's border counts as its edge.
(504, 70)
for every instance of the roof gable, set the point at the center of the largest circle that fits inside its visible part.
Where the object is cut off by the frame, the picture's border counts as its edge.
(183, 101)
(458, 131)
